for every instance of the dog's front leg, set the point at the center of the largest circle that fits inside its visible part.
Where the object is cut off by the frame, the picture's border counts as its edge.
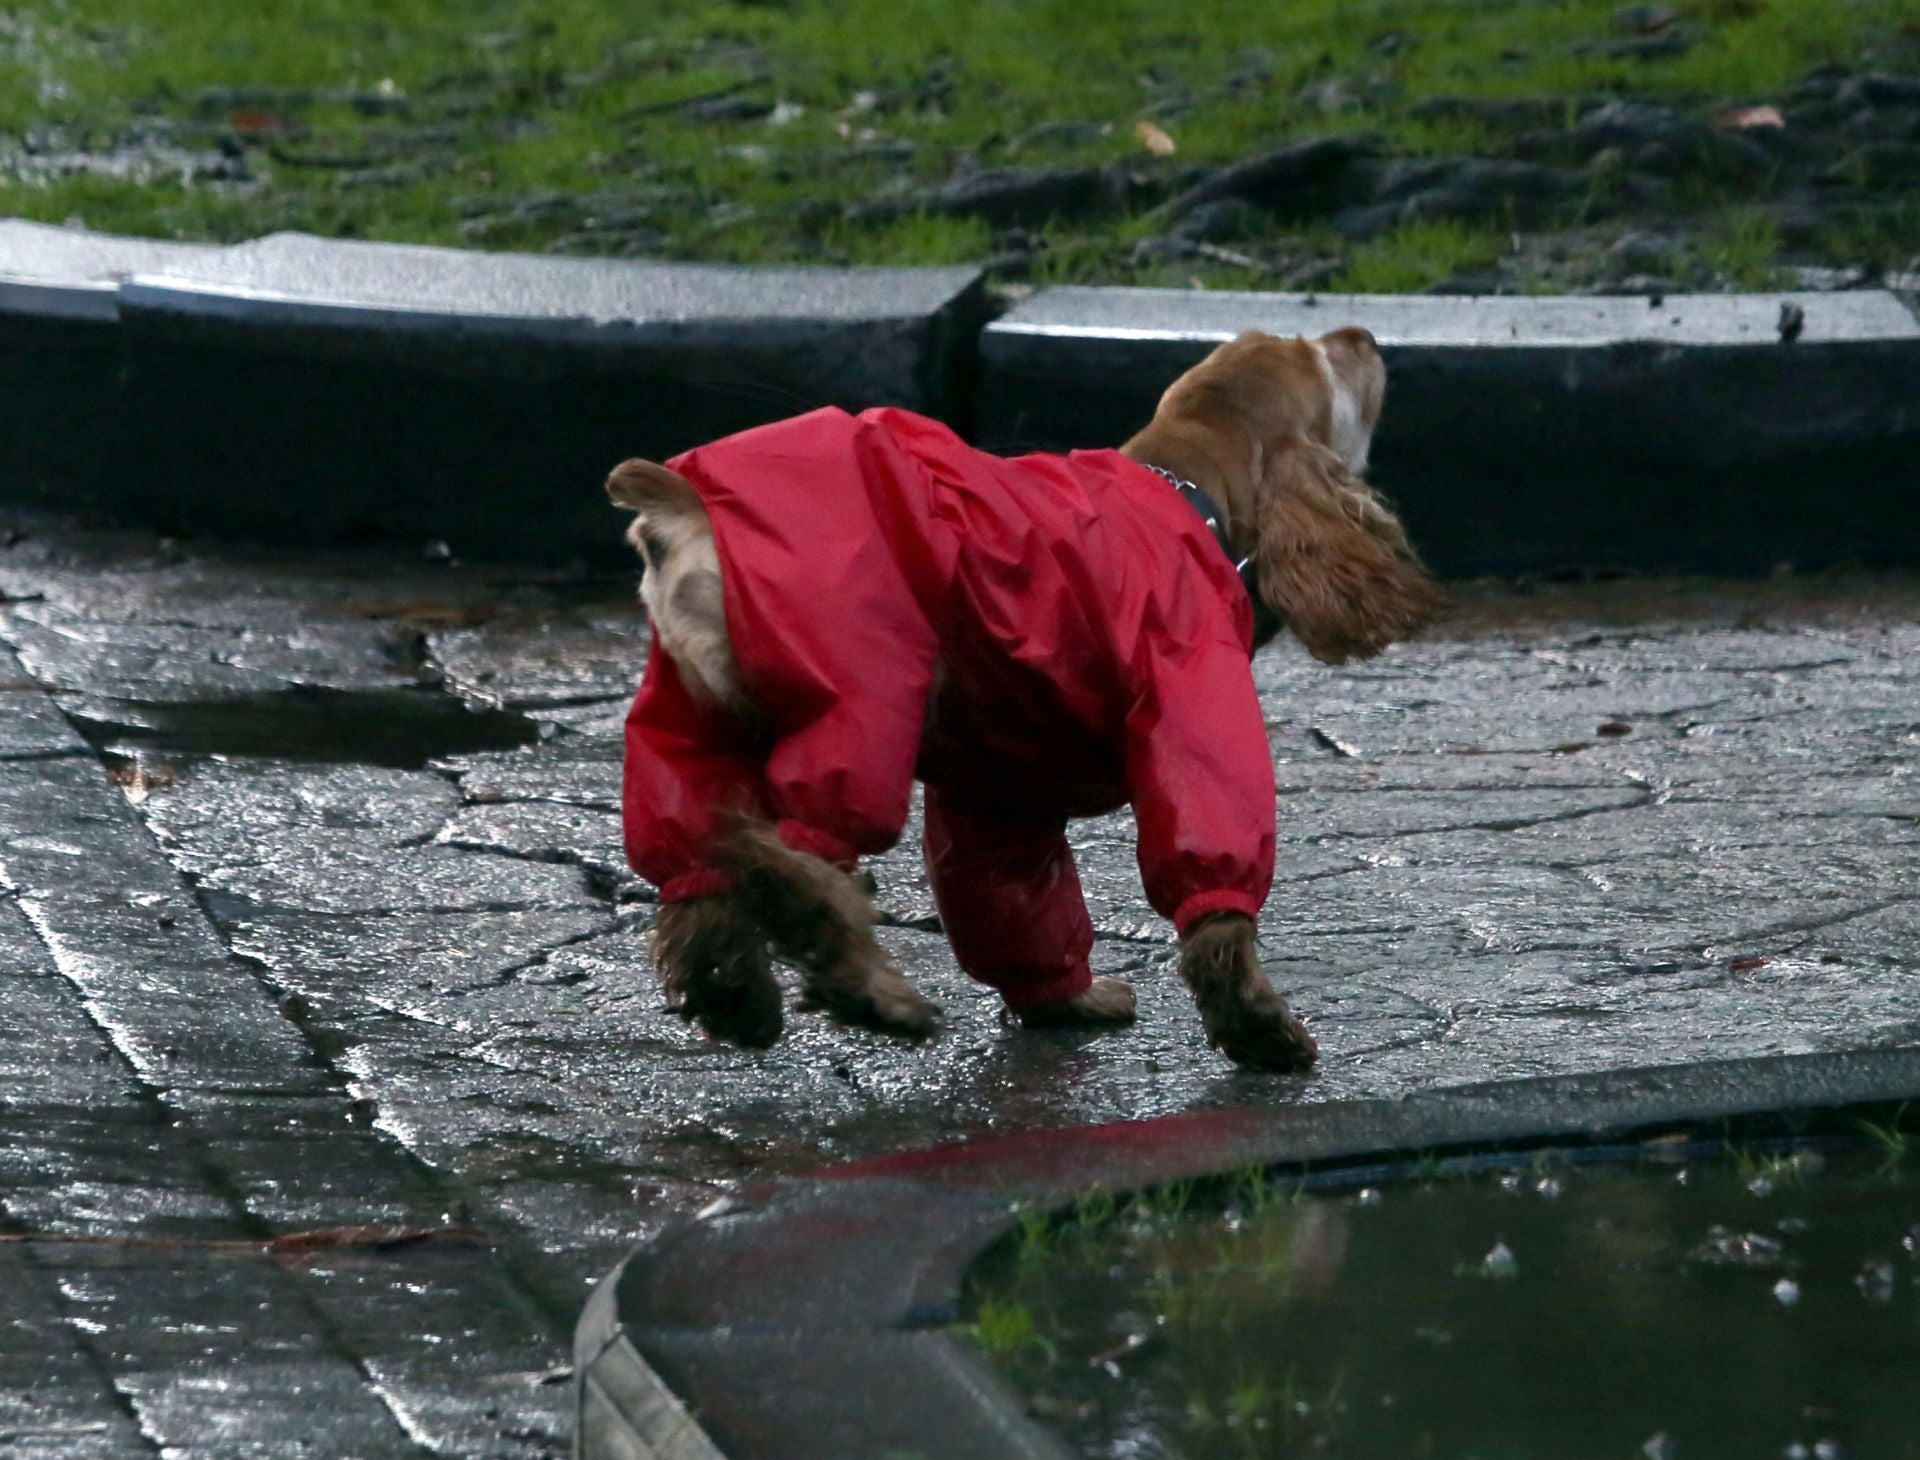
(821, 922)
(1245, 1019)
(712, 957)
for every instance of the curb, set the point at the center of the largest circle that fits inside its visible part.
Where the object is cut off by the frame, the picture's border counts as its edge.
(1534, 434)
(805, 1317)
(309, 390)
(305, 389)
(61, 357)
(623, 1408)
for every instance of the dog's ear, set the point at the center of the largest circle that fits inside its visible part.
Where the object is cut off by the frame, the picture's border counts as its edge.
(1334, 563)
(647, 486)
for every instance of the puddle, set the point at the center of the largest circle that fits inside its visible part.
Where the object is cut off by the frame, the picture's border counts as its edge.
(1763, 1305)
(398, 728)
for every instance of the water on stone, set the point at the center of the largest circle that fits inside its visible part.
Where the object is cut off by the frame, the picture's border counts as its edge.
(401, 728)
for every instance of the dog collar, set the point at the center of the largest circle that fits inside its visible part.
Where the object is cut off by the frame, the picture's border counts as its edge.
(1266, 623)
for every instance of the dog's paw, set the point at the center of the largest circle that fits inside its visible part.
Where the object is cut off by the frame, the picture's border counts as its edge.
(1262, 1034)
(878, 997)
(733, 1004)
(717, 973)
(899, 1008)
(1106, 1003)
(1245, 1019)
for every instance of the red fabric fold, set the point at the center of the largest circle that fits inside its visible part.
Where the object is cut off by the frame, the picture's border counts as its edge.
(822, 844)
(1206, 904)
(701, 882)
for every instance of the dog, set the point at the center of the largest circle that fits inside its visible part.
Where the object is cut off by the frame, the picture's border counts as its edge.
(841, 605)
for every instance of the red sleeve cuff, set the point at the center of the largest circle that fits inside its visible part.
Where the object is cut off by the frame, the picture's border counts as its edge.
(1204, 904)
(822, 844)
(701, 882)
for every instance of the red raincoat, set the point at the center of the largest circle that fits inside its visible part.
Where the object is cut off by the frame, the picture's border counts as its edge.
(1090, 641)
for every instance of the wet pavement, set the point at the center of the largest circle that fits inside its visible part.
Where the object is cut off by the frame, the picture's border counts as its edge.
(314, 917)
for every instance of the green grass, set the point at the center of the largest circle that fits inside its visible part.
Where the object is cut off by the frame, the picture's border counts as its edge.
(461, 109)
(1893, 1137)
(1742, 250)
(919, 239)
(1775, 1168)
(1257, 1411)
(1881, 241)
(1006, 1329)
(1415, 256)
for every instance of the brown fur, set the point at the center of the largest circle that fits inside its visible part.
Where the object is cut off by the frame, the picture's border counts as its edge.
(682, 588)
(1255, 425)
(713, 960)
(640, 485)
(1245, 1019)
(1334, 564)
(819, 920)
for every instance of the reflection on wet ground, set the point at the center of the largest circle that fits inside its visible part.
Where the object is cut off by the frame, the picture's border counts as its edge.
(402, 728)
(1758, 1303)
(324, 965)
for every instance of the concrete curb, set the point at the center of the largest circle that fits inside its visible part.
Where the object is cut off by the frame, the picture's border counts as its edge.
(805, 1317)
(314, 390)
(1531, 434)
(61, 357)
(624, 1408)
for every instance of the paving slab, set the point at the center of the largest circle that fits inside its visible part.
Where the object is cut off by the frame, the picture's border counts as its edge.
(612, 302)
(165, 1115)
(1521, 322)
(55, 1398)
(1531, 434)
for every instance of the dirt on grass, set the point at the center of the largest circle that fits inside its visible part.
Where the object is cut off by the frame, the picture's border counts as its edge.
(1399, 145)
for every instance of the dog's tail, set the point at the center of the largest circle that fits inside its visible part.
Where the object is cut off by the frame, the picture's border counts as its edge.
(647, 487)
(682, 587)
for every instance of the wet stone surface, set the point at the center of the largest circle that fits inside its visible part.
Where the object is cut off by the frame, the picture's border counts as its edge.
(266, 983)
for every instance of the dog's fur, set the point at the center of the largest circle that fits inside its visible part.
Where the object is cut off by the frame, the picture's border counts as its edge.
(1277, 432)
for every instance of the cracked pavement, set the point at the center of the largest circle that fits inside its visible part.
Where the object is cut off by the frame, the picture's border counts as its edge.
(313, 915)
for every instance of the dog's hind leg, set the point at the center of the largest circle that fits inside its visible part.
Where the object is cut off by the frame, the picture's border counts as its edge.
(712, 957)
(1245, 1019)
(821, 922)
(1010, 902)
